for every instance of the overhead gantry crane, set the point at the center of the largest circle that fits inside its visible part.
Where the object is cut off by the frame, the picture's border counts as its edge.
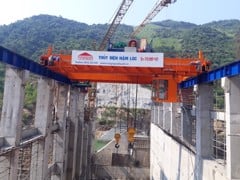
(164, 76)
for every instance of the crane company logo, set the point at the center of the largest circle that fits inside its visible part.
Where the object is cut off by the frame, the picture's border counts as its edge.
(85, 56)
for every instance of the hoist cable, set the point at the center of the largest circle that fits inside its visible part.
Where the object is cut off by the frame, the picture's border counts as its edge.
(135, 110)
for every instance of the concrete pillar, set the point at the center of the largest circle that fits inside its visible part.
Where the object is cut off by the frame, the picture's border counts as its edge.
(78, 140)
(186, 123)
(172, 117)
(153, 114)
(91, 137)
(160, 114)
(232, 104)
(85, 152)
(60, 137)
(78, 150)
(167, 116)
(204, 126)
(43, 121)
(175, 119)
(13, 98)
(11, 120)
(76, 117)
(73, 110)
(89, 150)
(156, 114)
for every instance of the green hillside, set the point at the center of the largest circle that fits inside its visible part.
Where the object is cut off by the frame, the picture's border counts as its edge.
(30, 37)
(230, 27)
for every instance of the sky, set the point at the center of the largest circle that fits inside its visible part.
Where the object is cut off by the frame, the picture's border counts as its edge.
(101, 11)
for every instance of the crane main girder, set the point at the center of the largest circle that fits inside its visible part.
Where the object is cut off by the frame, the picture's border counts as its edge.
(163, 78)
(173, 68)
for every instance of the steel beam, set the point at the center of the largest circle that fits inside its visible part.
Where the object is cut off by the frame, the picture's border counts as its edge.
(14, 59)
(229, 70)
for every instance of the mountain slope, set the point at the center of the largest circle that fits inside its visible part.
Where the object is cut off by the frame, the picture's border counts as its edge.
(217, 46)
(229, 27)
(32, 36)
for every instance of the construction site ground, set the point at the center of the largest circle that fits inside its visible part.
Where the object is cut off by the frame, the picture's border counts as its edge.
(116, 163)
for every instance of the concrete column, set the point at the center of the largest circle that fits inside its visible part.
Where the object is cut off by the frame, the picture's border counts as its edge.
(60, 137)
(204, 130)
(73, 111)
(78, 150)
(167, 116)
(152, 114)
(232, 104)
(172, 117)
(11, 120)
(89, 150)
(75, 144)
(77, 120)
(160, 114)
(156, 114)
(186, 123)
(175, 119)
(43, 121)
(91, 137)
(85, 152)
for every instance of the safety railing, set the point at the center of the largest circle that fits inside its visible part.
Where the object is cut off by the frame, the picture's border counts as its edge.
(25, 156)
(219, 138)
(183, 122)
(218, 124)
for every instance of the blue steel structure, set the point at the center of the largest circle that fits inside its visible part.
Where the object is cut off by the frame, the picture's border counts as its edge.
(22, 62)
(231, 69)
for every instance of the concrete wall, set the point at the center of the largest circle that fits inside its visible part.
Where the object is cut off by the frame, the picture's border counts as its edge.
(53, 147)
(171, 160)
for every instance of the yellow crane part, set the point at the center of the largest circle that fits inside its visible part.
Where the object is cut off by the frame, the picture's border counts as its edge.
(131, 133)
(117, 137)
